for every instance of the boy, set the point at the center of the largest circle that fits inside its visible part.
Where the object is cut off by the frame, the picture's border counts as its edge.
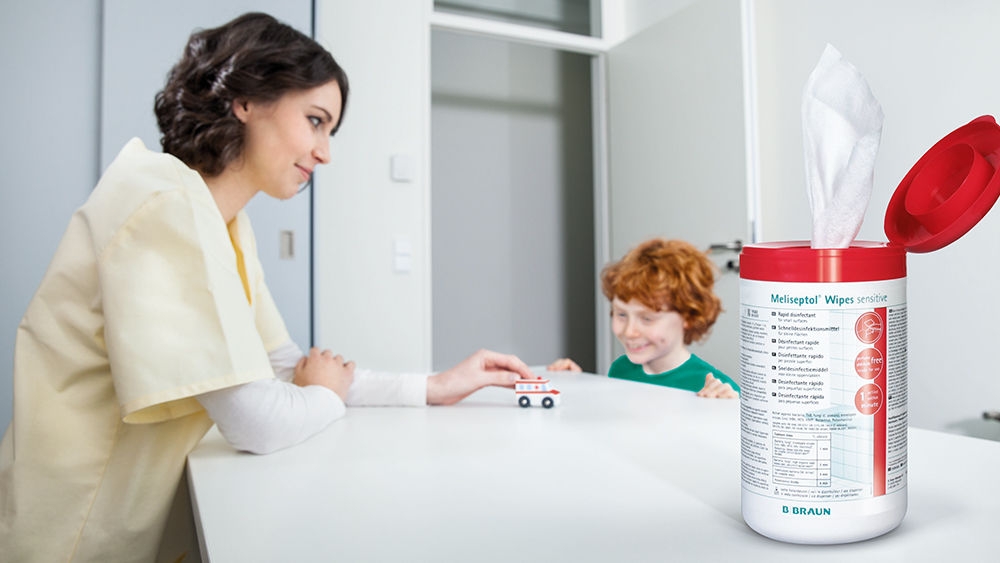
(662, 301)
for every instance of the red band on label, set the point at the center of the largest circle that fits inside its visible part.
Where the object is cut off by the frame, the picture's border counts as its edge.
(881, 381)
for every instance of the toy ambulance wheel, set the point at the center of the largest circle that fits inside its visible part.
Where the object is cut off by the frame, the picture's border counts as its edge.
(524, 402)
(547, 402)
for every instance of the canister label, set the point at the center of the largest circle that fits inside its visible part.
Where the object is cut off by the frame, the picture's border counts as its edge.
(823, 389)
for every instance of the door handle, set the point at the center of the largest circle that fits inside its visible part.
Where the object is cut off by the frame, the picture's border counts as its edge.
(734, 246)
(732, 265)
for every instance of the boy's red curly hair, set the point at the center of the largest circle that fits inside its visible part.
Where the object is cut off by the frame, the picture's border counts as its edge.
(667, 275)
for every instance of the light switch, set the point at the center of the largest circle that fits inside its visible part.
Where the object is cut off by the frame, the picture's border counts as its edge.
(402, 264)
(402, 255)
(402, 246)
(402, 168)
(286, 245)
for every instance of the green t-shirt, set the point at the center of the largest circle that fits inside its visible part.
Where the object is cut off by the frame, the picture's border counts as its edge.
(689, 376)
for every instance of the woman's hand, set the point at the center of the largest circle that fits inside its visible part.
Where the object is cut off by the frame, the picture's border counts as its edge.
(473, 373)
(323, 368)
(717, 389)
(564, 364)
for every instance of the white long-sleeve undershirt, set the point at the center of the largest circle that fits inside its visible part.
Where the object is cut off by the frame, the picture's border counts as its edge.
(271, 414)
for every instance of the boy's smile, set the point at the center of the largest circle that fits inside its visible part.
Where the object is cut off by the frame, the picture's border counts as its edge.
(652, 339)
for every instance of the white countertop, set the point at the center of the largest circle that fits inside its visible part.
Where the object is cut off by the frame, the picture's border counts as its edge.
(620, 471)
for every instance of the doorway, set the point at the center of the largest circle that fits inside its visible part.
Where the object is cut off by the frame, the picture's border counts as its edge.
(512, 201)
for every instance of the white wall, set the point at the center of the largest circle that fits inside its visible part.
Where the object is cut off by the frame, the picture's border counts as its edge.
(50, 65)
(931, 65)
(364, 309)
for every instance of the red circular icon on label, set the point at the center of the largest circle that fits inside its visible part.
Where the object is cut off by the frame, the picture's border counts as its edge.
(868, 327)
(868, 364)
(868, 399)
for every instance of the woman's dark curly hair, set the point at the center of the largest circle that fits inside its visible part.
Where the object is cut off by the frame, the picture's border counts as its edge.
(252, 58)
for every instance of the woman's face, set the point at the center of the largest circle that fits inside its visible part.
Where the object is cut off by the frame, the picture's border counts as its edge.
(287, 138)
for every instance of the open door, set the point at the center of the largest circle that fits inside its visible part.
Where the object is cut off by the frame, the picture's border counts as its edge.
(677, 154)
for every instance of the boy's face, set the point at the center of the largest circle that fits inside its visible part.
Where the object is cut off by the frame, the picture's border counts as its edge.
(652, 339)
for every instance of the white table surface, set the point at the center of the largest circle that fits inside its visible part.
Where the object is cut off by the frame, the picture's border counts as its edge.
(620, 471)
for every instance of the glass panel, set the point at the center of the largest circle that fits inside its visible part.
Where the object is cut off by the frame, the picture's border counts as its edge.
(570, 16)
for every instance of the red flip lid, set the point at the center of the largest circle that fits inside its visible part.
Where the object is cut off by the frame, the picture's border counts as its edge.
(948, 190)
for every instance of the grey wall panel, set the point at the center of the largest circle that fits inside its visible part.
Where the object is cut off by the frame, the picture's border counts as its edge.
(48, 151)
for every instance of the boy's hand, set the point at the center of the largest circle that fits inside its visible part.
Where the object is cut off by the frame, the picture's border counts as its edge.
(716, 389)
(564, 364)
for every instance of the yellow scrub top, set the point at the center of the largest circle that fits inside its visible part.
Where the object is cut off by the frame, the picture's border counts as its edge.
(142, 308)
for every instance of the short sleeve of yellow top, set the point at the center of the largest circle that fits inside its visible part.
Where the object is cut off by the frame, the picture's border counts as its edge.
(150, 300)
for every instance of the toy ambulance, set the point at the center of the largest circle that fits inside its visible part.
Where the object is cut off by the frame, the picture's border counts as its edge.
(529, 392)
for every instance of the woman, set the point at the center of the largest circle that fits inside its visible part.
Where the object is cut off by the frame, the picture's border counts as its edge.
(153, 320)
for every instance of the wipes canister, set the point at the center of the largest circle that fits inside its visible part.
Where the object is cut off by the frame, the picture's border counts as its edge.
(823, 390)
(823, 355)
